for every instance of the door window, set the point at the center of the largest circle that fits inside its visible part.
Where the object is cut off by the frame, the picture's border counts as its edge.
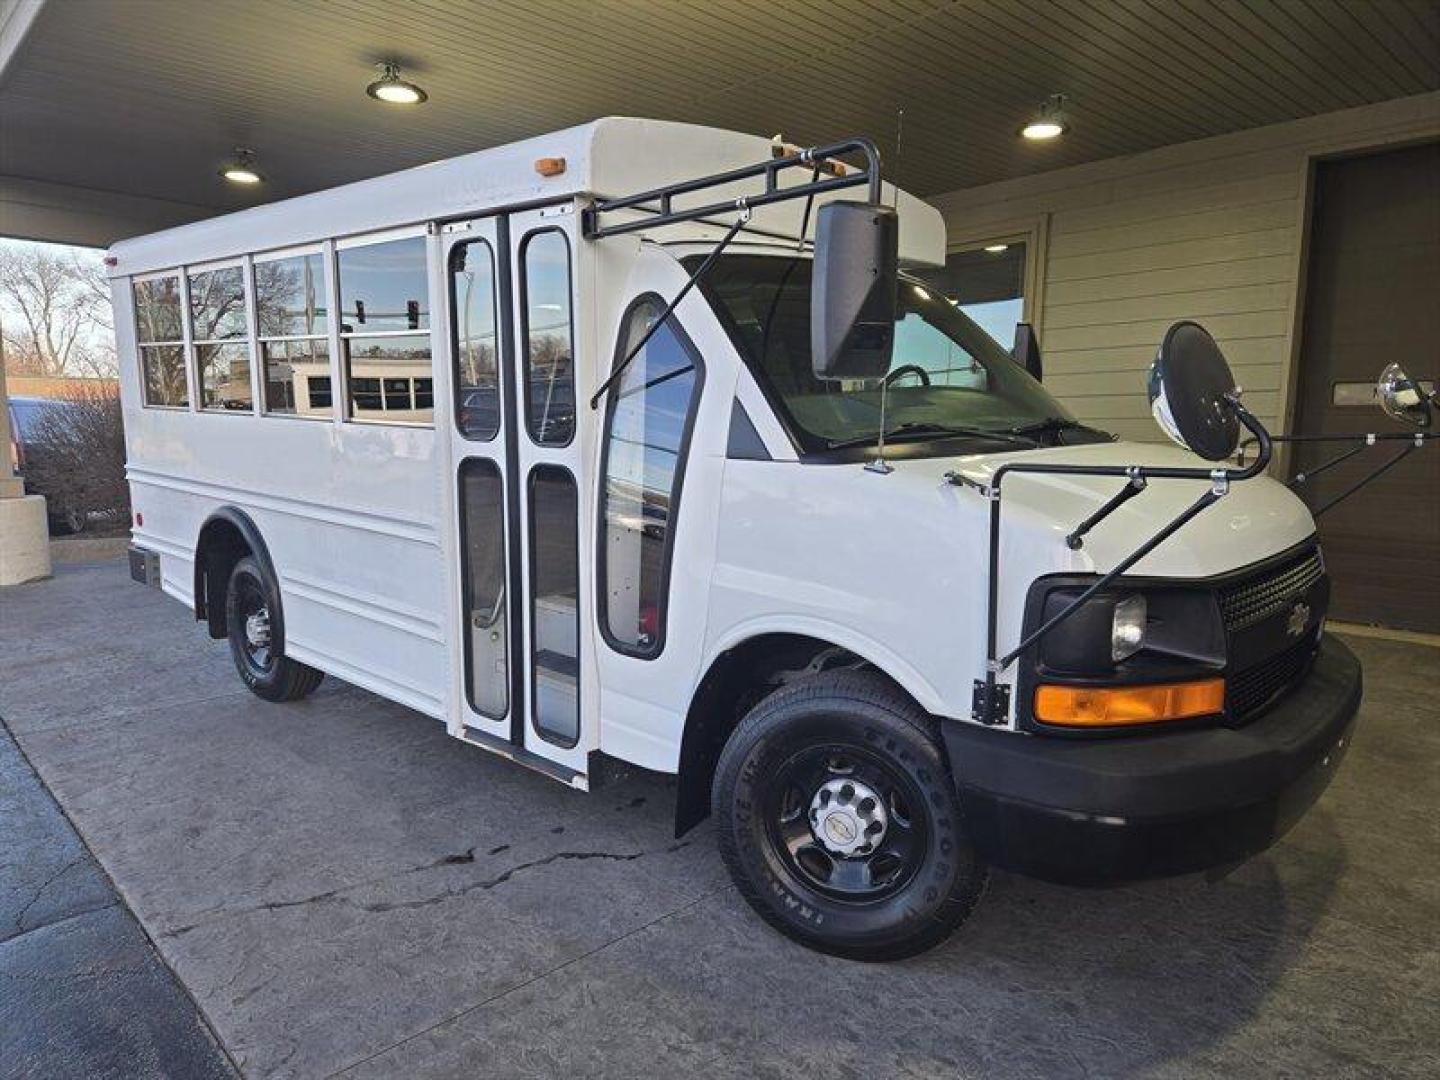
(549, 375)
(477, 345)
(554, 599)
(647, 433)
(482, 530)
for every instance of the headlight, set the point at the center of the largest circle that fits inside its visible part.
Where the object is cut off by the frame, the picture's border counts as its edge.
(1127, 627)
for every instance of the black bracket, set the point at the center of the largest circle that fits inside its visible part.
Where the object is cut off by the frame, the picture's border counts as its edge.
(990, 703)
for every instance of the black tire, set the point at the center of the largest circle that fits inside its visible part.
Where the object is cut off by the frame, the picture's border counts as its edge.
(266, 671)
(921, 879)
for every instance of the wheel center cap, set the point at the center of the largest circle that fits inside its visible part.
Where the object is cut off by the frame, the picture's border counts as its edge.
(847, 817)
(257, 629)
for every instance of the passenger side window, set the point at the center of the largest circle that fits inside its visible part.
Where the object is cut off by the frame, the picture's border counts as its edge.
(477, 348)
(384, 330)
(160, 335)
(293, 320)
(647, 434)
(219, 333)
(549, 340)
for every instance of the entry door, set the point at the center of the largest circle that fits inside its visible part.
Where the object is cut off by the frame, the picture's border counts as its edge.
(1370, 300)
(515, 470)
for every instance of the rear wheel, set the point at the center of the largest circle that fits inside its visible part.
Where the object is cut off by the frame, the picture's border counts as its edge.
(262, 667)
(838, 820)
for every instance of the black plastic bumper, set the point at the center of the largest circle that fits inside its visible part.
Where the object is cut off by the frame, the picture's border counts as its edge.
(1104, 811)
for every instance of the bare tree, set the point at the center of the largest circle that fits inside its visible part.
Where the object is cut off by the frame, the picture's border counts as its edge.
(55, 312)
(75, 455)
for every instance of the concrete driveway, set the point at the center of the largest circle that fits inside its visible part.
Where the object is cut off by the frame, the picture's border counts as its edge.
(345, 890)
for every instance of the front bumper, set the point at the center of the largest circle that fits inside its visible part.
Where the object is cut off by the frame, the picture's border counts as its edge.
(1104, 811)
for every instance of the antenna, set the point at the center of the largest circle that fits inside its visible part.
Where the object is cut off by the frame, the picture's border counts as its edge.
(899, 130)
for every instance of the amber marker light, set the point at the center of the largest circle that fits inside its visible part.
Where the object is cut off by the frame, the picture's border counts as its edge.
(1117, 706)
(550, 166)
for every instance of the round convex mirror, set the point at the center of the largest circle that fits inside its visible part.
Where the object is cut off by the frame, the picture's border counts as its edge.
(1188, 384)
(1402, 397)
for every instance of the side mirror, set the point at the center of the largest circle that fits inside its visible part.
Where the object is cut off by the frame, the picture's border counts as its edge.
(1404, 398)
(1027, 349)
(1190, 389)
(854, 290)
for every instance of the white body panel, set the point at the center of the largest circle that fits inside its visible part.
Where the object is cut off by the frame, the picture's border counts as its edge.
(360, 520)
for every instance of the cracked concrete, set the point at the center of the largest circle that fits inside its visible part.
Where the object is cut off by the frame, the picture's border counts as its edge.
(346, 891)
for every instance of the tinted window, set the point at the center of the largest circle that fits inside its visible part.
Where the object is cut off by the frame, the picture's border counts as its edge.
(549, 362)
(383, 287)
(646, 433)
(477, 381)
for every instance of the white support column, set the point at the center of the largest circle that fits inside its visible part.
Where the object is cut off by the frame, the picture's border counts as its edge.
(24, 534)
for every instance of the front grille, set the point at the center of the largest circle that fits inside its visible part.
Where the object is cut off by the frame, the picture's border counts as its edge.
(1249, 602)
(1248, 691)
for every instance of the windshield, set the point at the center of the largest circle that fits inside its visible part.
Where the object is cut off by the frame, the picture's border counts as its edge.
(947, 376)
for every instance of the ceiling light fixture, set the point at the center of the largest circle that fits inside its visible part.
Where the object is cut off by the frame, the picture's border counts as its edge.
(241, 168)
(1049, 123)
(392, 89)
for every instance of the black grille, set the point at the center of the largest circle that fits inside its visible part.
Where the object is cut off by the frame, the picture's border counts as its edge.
(1252, 601)
(1248, 691)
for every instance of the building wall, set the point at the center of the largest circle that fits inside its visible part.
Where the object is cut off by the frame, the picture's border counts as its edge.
(1213, 230)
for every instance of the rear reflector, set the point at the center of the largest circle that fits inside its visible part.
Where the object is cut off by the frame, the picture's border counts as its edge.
(1116, 706)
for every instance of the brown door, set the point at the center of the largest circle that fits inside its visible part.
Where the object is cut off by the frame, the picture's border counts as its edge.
(1374, 297)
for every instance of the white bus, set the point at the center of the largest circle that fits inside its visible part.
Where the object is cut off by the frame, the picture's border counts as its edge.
(447, 435)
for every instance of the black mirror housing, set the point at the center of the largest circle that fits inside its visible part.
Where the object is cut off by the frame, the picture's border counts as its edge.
(1027, 349)
(854, 290)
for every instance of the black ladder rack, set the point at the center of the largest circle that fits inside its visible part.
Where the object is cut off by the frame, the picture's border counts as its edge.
(662, 211)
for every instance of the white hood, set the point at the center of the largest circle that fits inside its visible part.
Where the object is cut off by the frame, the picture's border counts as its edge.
(1257, 518)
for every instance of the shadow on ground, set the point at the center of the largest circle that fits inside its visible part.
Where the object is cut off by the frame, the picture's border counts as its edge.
(344, 889)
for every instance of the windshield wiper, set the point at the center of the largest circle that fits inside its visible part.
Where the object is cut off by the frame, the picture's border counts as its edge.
(920, 430)
(1048, 426)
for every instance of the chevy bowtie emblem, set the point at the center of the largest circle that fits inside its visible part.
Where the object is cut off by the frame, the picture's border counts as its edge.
(1299, 619)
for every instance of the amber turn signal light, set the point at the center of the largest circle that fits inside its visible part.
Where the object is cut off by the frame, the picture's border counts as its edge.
(1116, 706)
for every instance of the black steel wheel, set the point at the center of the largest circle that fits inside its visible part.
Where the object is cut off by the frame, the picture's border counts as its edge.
(250, 603)
(839, 822)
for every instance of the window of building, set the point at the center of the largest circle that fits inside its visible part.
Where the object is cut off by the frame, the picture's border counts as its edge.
(477, 345)
(987, 283)
(292, 316)
(384, 301)
(549, 349)
(219, 334)
(160, 334)
(647, 433)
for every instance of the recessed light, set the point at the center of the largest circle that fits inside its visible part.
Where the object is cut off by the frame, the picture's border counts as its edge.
(241, 168)
(996, 249)
(1049, 122)
(394, 90)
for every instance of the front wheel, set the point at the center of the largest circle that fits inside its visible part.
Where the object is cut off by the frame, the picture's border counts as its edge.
(839, 823)
(249, 600)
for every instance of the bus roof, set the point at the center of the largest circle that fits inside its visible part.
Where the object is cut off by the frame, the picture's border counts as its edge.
(608, 157)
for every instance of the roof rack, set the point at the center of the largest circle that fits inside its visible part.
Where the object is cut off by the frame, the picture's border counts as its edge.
(663, 213)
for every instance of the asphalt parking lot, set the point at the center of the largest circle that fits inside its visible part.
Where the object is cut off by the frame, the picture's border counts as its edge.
(343, 890)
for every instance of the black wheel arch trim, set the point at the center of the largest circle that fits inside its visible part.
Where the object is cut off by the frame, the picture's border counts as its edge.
(209, 591)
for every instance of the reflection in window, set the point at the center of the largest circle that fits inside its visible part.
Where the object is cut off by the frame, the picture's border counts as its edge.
(987, 284)
(482, 526)
(549, 363)
(554, 611)
(477, 381)
(646, 430)
(159, 333)
(384, 298)
(382, 373)
(317, 392)
(218, 324)
(292, 317)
